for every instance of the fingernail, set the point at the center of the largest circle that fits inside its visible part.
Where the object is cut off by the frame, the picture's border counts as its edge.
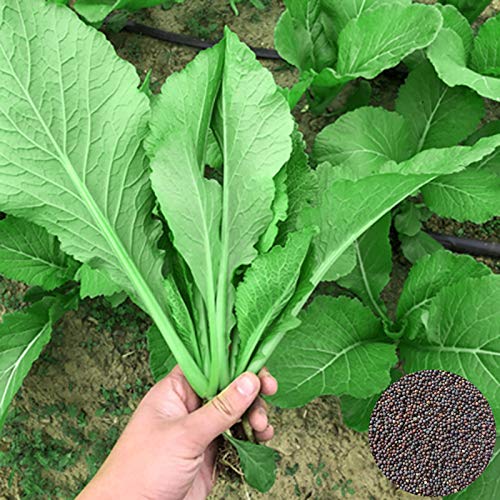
(246, 385)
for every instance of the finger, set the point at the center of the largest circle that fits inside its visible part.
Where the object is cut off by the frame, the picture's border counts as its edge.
(257, 417)
(205, 424)
(269, 385)
(265, 435)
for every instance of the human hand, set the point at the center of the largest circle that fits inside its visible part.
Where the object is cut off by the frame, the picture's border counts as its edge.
(168, 449)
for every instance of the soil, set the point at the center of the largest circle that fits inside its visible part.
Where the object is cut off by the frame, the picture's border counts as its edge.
(81, 392)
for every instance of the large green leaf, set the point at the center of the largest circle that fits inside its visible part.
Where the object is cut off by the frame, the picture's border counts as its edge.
(364, 139)
(23, 335)
(427, 277)
(485, 56)
(71, 160)
(462, 335)
(338, 349)
(28, 253)
(449, 58)
(470, 8)
(472, 195)
(373, 264)
(300, 36)
(439, 116)
(265, 291)
(487, 485)
(253, 124)
(94, 282)
(380, 39)
(258, 463)
(454, 20)
(177, 144)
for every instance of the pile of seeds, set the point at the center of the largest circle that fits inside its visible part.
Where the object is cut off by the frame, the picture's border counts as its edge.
(432, 433)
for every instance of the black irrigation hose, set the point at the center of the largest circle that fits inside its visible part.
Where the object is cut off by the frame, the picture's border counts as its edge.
(167, 36)
(466, 245)
(460, 245)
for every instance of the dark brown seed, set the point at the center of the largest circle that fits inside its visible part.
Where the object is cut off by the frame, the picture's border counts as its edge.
(432, 433)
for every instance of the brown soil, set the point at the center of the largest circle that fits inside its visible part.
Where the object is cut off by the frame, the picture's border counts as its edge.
(80, 393)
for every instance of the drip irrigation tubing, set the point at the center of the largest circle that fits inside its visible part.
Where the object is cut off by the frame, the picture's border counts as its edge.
(466, 245)
(456, 244)
(197, 43)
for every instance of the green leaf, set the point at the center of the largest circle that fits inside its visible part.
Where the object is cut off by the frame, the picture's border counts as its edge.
(360, 96)
(301, 185)
(471, 195)
(28, 253)
(485, 56)
(492, 162)
(366, 50)
(454, 20)
(181, 318)
(338, 14)
(439, 116)
(470, 8)
(95, 282)
(248, 191)
(258, 463)
(74, 162)
(343, 266)
(265, 291)
(300, 36)
(177, 145)
(23, 335)
(161, 359)
(95, 11)
(338, 349)
(449, 58)
(427, 277)
(373, 264)
(487, 485)
(462, 336)
(418, 246)
(408, 219)
(356, 413)
(364, 139)
(280, 209)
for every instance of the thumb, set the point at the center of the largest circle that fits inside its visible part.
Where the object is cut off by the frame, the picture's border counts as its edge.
(222, 412)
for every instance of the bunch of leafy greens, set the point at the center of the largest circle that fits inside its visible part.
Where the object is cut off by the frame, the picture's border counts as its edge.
(109, 194)
(333, 43)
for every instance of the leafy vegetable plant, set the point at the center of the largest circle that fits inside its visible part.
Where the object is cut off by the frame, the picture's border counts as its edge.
(462, 59)
(429, 114)
(108, 193)
(333, 43)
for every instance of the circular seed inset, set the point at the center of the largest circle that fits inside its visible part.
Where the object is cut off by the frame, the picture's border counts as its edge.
(432, 433)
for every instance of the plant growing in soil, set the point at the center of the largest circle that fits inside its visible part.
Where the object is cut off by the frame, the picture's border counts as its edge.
(428, 114)
(108, 193)
(333, 43)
